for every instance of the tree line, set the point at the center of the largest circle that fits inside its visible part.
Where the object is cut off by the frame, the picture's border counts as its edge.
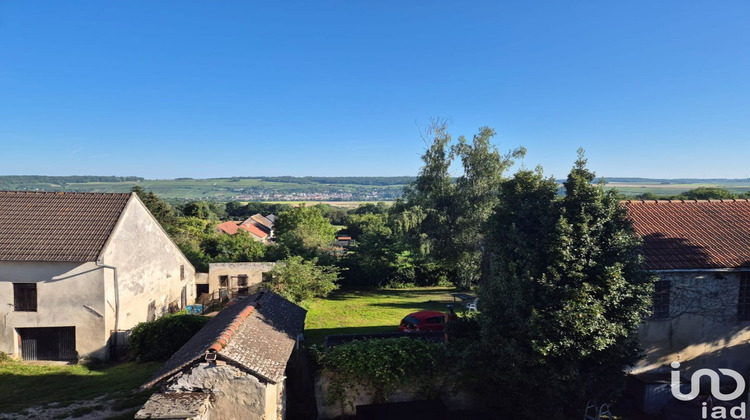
(559, 276)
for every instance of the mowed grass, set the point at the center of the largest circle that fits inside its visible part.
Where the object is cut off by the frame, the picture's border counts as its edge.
(24, 385)
(370, 311)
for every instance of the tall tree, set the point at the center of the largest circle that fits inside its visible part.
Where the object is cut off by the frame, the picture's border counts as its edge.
(304, 231)
(567, 293)
(162, 211)
(475, 198)
(451, 232)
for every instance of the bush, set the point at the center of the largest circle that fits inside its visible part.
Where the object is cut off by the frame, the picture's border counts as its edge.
(381, 366)
(160, 339)
(298, 280)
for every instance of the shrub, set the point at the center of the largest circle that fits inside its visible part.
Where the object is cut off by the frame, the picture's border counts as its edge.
(159, 339)
(381, 366)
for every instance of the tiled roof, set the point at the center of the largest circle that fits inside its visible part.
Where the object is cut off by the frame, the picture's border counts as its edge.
(231, 228)
(254, 230)
(693, 234)
(272, 217)
(228, 227)
(257, 333)
(46, 226)
(262, 220)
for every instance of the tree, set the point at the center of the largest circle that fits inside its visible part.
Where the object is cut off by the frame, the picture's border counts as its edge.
(451, 232)
(475, 198)
(162, 211)
(298, 280)
(561, 308)
(240, 247)
(304, 231)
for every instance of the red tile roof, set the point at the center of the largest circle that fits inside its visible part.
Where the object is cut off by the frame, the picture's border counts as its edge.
(255, 230)
(232, 227)
(62, 226)
(257, 334)
(229, 227)
(693, 234)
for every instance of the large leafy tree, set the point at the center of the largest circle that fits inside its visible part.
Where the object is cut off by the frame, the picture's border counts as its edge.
(162, 211)
(304, 231)
(298, 280)
(451, 231)
(475, 198)
(567, 293)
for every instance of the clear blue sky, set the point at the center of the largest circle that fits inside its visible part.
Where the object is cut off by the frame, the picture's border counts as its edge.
(334, 88)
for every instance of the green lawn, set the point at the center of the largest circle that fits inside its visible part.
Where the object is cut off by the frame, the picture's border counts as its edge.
(24, 385)
(370, 311)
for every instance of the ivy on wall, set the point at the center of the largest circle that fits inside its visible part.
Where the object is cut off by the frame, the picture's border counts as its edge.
(380, 367)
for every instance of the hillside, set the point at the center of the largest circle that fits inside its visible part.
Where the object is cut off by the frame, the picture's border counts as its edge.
(287, 188)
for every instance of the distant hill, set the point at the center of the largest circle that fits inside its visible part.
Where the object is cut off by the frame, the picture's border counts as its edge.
(309, 188)
(282, 188)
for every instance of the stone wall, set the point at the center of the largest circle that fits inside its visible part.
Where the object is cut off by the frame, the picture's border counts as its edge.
(253, 270)
(68, 295)
(443, 390)
(235, 393)
(702, 329)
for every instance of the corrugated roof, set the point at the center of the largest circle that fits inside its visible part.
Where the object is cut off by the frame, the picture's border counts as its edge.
(693, 234)
(257, 333)
(46, 226)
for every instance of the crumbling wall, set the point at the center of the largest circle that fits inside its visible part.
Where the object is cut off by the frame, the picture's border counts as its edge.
(235, 393)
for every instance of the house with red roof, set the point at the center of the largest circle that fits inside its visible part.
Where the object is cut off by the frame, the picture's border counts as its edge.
(78, 268)
(232, 227)
(700, 250)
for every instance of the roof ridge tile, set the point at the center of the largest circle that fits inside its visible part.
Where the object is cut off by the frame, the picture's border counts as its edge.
(226, 335)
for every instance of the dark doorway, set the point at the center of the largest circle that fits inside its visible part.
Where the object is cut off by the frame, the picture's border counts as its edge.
(51, 343)
(201, 289)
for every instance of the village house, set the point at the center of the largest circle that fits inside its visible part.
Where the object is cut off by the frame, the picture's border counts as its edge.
(233, 278)
(234, 367)
(261, 222)
(232, 227)
(700, 251)
(76, 268)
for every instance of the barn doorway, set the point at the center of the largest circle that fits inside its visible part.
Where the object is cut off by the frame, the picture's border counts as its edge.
(50, 343)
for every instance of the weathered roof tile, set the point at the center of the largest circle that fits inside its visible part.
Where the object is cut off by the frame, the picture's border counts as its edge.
(44, 226)
(267, 326)
(693, 234)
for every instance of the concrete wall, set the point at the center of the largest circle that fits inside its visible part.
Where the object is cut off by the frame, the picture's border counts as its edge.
(253, 270)
(702, 330)
(68, 295)
(236, 394)
(148, 266)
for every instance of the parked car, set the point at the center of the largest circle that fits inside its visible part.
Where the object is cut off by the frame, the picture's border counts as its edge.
(423, 321)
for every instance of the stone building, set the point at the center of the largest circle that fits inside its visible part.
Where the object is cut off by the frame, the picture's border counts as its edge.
(234, 367)
(700, 250)
(77, 267)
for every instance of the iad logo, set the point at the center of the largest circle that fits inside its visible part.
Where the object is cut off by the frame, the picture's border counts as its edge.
(718, 412)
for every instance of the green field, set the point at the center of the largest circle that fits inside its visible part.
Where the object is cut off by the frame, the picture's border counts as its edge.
(221, 189)
(339, 191)
(636, 188)
(370, 311)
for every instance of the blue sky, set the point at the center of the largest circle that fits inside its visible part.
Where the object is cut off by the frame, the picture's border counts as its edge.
(343, 88)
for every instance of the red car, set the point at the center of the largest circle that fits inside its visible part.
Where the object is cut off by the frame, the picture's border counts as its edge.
(423, 321)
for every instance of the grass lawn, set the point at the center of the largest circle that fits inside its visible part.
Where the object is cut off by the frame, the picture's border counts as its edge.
(370, 311)
(23, 385)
